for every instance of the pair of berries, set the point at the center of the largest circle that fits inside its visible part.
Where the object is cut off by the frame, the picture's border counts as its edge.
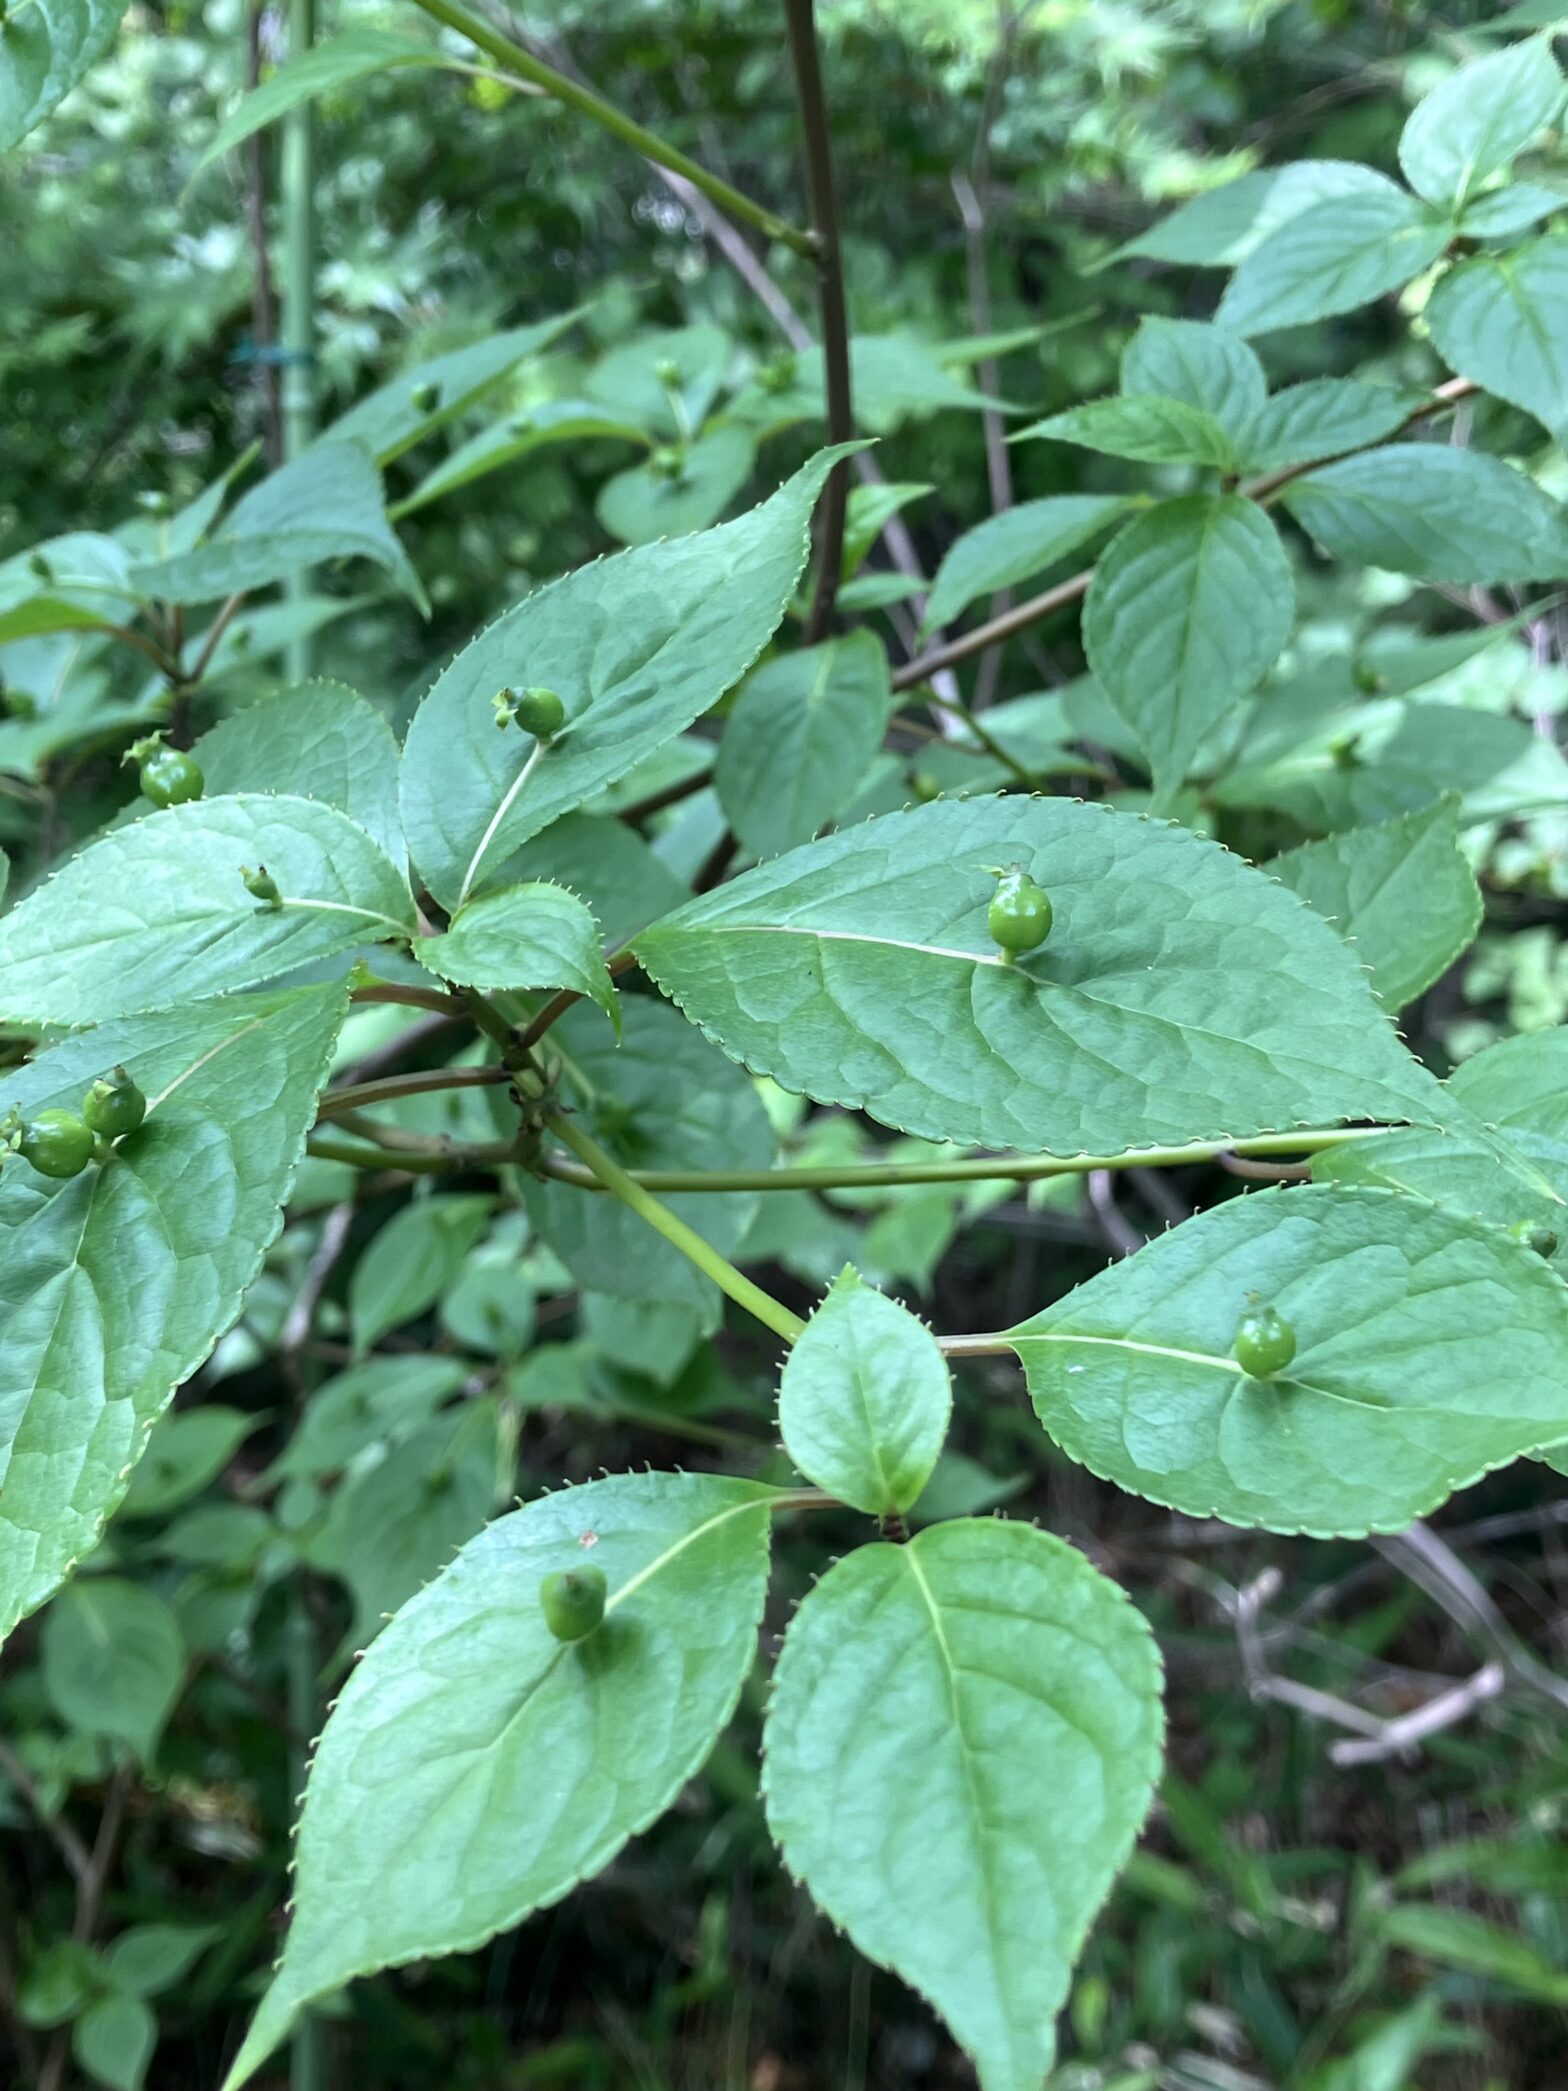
(61, 1143)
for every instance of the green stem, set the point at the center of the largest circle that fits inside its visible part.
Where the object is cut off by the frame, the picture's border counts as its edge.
(734, 1283)
(1016, 1168)
(435, 1161)
(421, 1083)
(299, 294)
(983, 737)
(583, 99)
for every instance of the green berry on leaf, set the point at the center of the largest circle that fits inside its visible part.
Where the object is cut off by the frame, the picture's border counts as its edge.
(541, 713)
(113, 1106)
(925, 787)
(572, 1601)
(261, 885)
(1019, 917)
(57, 1143)
(1265, 1343)
(426, 396)
(667, 463)
(668, 372)
(168, 776)
(1536, 1235)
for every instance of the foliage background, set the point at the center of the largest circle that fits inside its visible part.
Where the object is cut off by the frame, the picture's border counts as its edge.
(1250, 1944)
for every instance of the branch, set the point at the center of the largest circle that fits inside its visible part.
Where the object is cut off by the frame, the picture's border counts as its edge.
(337, 1103)
(1076, 586)
(526, 66)
(806, 59)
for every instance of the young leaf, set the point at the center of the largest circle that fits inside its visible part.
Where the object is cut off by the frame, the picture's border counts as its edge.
(1026, 1690)
(1333, 258)
(336, 63)
(1161, 624)
(1209, 369)
(44, 50)
(864, 1400)
(1223, 226)
(326, 504)
(1502, 213)
(536, 935)
(518, 1764)
(1437, 512)
(319, 740)
(1153, 431)
(96, 1341)
(1502, 319)
(610, 865)
(662, 1099)
(113, 1658)
(1016, 545)
(158, 912)
(1401, 894)
(401, 413)
(505, 442)
(638, 646)
(1482, 116)
(860, 970)
(1429, 1349)
(113, 2041)
(1322, 418)
(800, 738)
(645, 503)
(150, 1958)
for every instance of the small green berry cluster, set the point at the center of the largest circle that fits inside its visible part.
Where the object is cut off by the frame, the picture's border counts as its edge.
(537, 711)
(60, 1143)
(168, 776)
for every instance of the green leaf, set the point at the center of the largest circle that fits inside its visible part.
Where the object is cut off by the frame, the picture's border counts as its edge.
(1501, 213)
(113, 1660)
(662, 1099)
(1321, 418)
(45, 49)
(119, 1281)
(642, 504)
(864, 1400)
(535, 935)
(1155, 431)
(397, 1522)
(631, 378)
(150, 1958)
(1432, 510)
(801, 735)
(518, 1764)
(184, 1453)
(1401, 894)
(1429, 1349)
(638, 646)
(1209, 369)
(1161, 628)
(860, 971)
(411, 1262)
(506, 442)
(336, 63)
(1014, 546)
(961, 1747)
(326, 504)
(1456, 1938)
(319, 740)
(114, 2040)
(378, 1402)
(158, 912)
(1502, 1157)
(1479, 119)
(1502, 320)
(1225, 225)
(1332, 258)
(58, 1983)
(610, 865)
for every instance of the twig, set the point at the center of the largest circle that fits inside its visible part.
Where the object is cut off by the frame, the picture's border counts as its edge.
(1447, 1710)
(55, 1827)
(1119, 1231)
(213, 634)
(263, 304)
(302, 1311)
(89, 1908)
(806, 58)
(337, 1102)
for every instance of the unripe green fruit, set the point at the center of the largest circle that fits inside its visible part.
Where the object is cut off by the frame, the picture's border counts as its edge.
(1265, 1343)
(39, 567)
(1536, 1235)
(925, 787)
(261, 885)
(169, 777)
(153, 501)
(114, 1106)
(426, 396)
(572, 1601)
(668, 372)
(57, 1143)
(541, 713)
(778, 375)
(667, 463)
(1019, 917)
